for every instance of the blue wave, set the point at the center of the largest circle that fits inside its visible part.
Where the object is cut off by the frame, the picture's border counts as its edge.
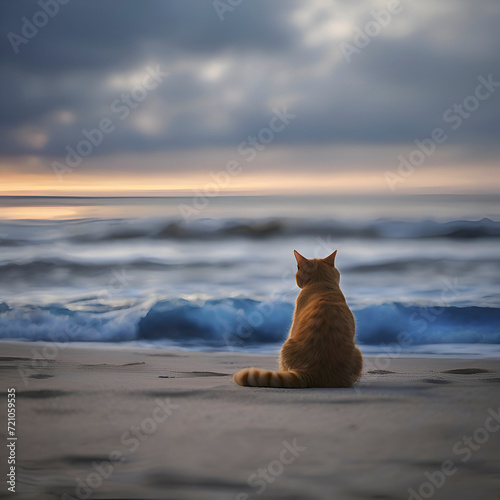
(243, 322)
(413, 325)
(219, 322)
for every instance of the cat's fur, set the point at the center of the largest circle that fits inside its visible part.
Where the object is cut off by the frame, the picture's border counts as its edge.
(320, 349)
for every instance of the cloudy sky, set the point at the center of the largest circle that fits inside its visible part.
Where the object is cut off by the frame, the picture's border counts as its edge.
(129, 97)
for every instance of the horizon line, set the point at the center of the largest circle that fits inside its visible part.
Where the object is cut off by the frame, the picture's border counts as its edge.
(254, 195)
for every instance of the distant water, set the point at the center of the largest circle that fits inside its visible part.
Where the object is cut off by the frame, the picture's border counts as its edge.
(421, 273)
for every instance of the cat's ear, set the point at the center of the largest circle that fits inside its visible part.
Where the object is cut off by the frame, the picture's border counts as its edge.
(331, 258)
(299, 257)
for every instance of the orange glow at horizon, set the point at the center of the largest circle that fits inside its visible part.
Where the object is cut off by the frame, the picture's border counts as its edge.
(247, 182)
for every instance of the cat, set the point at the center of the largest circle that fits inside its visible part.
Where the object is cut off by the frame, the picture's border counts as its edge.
(320, 349)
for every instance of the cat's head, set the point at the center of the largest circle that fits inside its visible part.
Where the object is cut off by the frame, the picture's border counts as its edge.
(316, 270)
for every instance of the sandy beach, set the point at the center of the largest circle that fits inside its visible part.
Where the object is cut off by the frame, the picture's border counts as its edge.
(116, 422)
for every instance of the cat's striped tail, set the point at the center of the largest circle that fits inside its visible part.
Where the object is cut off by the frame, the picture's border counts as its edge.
(256, 377)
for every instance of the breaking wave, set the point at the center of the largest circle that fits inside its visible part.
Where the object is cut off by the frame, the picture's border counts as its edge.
(91, 230)
(241, 322)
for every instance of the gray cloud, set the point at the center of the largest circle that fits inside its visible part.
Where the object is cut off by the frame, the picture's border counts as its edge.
(226, 77)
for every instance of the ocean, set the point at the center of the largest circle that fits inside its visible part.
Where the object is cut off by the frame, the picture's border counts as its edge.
(421, 273)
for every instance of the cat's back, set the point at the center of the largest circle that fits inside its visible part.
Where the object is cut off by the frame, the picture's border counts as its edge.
(324, 311)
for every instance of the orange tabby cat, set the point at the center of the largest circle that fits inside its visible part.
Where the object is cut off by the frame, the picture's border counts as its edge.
(320, 349)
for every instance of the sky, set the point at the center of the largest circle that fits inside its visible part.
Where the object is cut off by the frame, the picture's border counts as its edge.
(129, 97)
